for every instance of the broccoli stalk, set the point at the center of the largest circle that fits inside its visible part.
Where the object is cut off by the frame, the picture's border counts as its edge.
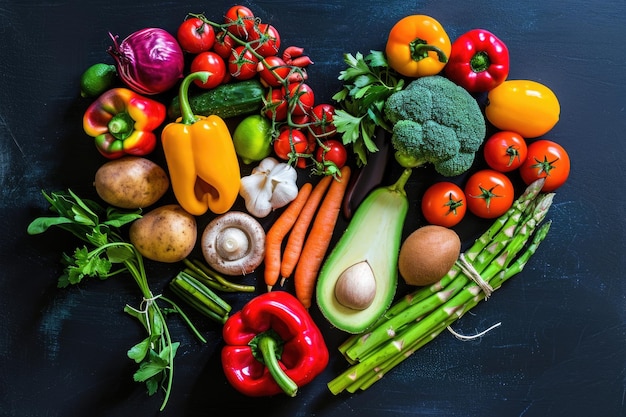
(435, 121)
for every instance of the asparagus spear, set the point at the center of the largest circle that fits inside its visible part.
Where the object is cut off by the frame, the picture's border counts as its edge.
(416, 319)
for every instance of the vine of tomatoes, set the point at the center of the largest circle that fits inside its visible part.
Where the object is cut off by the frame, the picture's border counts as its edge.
(243, 47)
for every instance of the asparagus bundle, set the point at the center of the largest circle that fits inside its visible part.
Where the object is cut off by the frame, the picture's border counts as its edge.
(417, 318)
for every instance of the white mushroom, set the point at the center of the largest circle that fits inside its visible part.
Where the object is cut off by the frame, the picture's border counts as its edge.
(234, 243)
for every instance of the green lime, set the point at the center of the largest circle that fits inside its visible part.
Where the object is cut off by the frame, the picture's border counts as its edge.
(253, 138)
(97, 79)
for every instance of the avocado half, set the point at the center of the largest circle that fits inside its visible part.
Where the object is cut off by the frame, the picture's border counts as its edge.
(374, 236)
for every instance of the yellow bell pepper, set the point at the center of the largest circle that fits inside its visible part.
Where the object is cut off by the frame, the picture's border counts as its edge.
(201, 158)
(523, 106)
(418, 46)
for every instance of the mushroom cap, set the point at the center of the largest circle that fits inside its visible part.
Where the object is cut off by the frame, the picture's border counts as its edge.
(233, 243)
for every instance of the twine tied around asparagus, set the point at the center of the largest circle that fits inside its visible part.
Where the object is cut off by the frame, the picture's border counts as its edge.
(469, 270)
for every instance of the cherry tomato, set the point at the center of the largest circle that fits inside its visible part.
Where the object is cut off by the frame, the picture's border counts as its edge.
(301, 98)
(275, 104)
(242, 64)
(505, 151)
(224, 44)
(240, 20)
(195, 36)
(322, 121)
(265, 40)
(489, 193)
(546, 159)
(273, 70)
(290, 142)
(213, 63)
(443, 204)
(332, 151)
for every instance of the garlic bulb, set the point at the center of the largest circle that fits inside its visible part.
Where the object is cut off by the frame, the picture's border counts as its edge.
(271, 185)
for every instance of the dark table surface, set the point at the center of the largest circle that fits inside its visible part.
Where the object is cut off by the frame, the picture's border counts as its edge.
(561, 347)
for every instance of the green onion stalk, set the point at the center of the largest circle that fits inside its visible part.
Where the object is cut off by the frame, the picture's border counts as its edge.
(196, 285)
(498, 254)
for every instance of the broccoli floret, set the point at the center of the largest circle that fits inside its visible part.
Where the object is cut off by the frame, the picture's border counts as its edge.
(435, 121)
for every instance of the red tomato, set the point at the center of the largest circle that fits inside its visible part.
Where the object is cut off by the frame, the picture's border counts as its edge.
(195, 36)
(242, 64)
(275, 104)
(301, 98)
(489, 193)
(322, 121)
(505, 151)
(224, 45)
(240, 20)
(443, 204)
(213, 63)
(332, 151)
(265, 40)
(273, 71)
(546, 159)
(289, 143)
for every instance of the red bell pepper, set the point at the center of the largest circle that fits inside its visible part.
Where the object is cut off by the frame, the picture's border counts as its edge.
(122, 122)
(272, 346)
(478, 62)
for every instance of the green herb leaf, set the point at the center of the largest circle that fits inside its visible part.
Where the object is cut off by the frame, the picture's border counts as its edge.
(140, 350)
(119, 254)
(41, 224)
(150, 367)
(368, 82)
(165, 353)
(118, 218)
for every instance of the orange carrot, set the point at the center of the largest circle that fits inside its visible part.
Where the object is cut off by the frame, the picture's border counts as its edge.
(295, 242)
(319, 238)
(278, 231)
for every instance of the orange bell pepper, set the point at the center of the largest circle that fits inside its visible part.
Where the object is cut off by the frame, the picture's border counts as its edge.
(418, 46)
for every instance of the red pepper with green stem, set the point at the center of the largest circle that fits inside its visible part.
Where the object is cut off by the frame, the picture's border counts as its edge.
(122, 122)
(272, 346)
(478, 62)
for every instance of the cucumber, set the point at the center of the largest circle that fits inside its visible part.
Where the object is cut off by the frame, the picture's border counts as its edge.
(226, 100)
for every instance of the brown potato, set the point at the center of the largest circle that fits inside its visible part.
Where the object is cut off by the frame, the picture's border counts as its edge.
(131, 182)
(427, 254)
(165, 234)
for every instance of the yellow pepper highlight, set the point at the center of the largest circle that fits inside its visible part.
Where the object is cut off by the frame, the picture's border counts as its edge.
(201, 159)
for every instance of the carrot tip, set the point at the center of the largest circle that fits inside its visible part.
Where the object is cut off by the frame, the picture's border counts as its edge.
(269, 288)
(282, 281)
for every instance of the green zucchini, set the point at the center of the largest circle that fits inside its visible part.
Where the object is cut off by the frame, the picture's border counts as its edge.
(226, 100)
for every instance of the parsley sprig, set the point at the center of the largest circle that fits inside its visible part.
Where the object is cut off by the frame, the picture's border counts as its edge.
(367, 83)
(107, 254)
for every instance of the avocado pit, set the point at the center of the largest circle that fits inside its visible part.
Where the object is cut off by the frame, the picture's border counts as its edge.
(356, 286)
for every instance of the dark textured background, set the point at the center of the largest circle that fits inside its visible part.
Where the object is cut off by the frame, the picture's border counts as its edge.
(561, 348)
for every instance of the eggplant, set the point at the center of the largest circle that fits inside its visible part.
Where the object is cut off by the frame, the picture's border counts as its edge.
(367, 177)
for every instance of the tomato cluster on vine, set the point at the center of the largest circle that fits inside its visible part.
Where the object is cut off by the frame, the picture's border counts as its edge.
(242, 47)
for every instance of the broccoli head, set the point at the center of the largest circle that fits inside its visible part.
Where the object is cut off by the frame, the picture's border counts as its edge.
(435, 121)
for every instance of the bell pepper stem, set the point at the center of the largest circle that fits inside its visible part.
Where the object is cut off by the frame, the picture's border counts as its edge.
(267, 347)
(121, 126)
(420, 50)
(187, 116)
(480, 62)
